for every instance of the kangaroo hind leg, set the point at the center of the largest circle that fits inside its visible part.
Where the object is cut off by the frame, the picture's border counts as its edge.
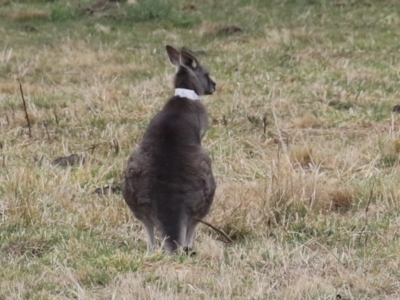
(148, 226)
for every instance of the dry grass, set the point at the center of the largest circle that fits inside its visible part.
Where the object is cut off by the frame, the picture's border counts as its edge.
(304, 144)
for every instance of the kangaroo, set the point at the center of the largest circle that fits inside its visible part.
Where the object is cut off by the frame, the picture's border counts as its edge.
(169, 183)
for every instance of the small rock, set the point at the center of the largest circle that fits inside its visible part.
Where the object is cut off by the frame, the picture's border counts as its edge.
(73, 159)
(396, 108)
(227, 30)
(100, 6)
(30, 28)
(189, 6)
(189, 251)
(107, 190)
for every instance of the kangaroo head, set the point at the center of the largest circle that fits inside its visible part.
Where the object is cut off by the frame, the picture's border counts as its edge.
(190, 74)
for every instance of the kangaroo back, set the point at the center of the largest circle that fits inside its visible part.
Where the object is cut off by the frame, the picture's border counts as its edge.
(178, 188)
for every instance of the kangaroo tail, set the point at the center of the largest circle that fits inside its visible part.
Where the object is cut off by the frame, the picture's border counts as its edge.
(171, 216)
(171, 233)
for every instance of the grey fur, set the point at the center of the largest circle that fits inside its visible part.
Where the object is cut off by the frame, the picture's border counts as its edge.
(169, 182)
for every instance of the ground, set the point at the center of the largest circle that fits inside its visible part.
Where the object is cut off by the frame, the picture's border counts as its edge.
(303, 139)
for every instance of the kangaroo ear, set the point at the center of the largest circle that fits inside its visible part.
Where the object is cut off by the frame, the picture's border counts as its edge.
(188, 61)
(173, 55)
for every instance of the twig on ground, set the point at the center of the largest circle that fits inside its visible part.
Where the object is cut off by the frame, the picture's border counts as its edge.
(265, 124)
(1, 150)
(47, 131)
(115, 145)
(366, 216)
(26, 112)
(229, 240)
(56, 116)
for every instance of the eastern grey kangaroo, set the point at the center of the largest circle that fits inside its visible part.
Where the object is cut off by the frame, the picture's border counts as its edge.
(169, 184)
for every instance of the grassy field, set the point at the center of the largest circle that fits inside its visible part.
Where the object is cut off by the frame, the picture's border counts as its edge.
(304, 143)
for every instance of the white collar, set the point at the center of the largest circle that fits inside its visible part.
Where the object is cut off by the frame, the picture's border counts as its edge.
(185, 93)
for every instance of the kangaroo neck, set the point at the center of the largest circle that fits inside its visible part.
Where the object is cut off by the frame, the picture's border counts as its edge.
(186, 93)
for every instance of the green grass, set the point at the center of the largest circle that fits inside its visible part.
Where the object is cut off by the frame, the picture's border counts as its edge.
(304, 144)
